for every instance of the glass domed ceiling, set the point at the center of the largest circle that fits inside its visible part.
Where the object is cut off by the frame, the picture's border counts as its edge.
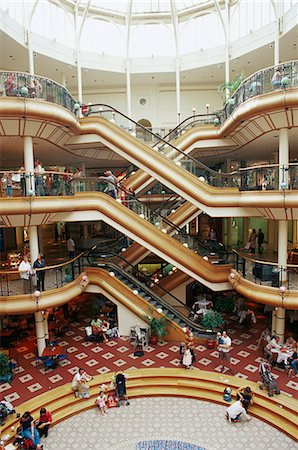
(141, 6)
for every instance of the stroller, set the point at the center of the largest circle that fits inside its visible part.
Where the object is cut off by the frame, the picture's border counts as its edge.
(121, 388)
(268, 380)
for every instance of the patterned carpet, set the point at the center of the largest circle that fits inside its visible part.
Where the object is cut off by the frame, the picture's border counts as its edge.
(30, 378)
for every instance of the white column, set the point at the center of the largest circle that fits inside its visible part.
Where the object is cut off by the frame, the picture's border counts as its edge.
(79, 76)
(128, 89)
(63, 80)
(45, 325)
(178, 90)
(276, 43)
(282, 264)
(33, 242)
(39, 329)
(29, 165)
(83, 168)
(283, 158)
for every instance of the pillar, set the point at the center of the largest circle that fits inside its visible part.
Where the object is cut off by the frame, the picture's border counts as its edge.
(245, 230)
(45, 325)
(19, 237)
(282, 264)
(85, 231)
(29, 165)
(128, 89)
(39, 330)
(33, 237)
(63, 79)
(283, 159)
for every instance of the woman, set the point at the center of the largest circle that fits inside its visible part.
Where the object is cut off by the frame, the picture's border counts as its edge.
(29, 431)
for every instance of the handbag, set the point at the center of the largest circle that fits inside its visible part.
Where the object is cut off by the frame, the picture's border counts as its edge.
(112, 385)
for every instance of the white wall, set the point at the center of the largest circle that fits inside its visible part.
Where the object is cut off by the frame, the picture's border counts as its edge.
(126, 318)
(160, 108)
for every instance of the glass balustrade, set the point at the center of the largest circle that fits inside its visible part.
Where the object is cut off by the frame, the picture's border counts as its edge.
(264, 272)
(24, 85)
(53, 277)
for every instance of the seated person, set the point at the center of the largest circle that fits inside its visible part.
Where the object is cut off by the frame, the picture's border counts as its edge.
(238, 408)
(79, 384)
(105, 330)
(290, 343)
(96, 328)
(28, 430)
(272, 347)
(245, 393)
(44, 422)
(6, 409)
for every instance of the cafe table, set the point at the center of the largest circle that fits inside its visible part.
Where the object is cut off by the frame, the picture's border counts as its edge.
(52, 351)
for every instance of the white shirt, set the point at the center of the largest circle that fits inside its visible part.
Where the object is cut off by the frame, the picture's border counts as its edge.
(24, 269)
(76, 380)
(226, 341)
(273, 345)
(71, 246)
(236, 409)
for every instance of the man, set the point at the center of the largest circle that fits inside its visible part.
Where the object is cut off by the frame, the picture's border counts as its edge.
(44, 422)
(40, 274)
(260, 239)
(110, 180)
(76, 381)
(25, 273)
(223, 348)
(71, 247)
(234, 411)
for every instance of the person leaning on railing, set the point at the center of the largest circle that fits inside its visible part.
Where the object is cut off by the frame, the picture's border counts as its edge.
(25, 271)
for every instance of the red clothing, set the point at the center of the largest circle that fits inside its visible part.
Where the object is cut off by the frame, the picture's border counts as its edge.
(47, 417)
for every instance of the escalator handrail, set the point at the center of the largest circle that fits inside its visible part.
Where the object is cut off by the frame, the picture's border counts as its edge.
(196, 161)
(194, 326)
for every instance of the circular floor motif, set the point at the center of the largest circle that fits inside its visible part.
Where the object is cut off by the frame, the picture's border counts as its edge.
(164, 418)
(166, 445)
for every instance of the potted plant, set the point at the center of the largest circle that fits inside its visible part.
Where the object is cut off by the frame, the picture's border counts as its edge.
(226, 90)
(5, 372)
(212, 320)
(158, 329)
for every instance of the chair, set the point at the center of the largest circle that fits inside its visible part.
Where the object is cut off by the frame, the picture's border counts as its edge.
(49, 363)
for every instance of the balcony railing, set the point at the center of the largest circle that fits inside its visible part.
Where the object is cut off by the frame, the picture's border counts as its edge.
(24, 85)
(53, 277)
(267, 273)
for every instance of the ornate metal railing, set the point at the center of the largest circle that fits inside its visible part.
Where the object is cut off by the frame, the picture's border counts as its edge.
(24, 85)
(49, 277)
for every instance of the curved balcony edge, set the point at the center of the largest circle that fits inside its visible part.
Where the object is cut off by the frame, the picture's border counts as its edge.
(263, 294)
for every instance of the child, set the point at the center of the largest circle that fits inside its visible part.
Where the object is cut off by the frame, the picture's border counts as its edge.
(101, 403)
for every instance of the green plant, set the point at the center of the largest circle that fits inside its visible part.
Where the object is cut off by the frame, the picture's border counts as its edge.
(5, 373)
(212, 320)
(158, 327)
(224, 304)
(226, 90)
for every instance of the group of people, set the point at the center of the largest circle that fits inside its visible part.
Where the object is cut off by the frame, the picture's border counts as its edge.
(287, 355)
(30, 431)
(240, 407)
(27, 271)
(255, 238)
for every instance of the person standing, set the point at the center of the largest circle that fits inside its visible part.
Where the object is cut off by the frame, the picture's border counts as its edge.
(40, 275)
(44, 422)
(252, 241)
(111, 181)
(260, 240)
(224, 346)
(71, 247)
(25, 274)
(39, 170)
(190, 343)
